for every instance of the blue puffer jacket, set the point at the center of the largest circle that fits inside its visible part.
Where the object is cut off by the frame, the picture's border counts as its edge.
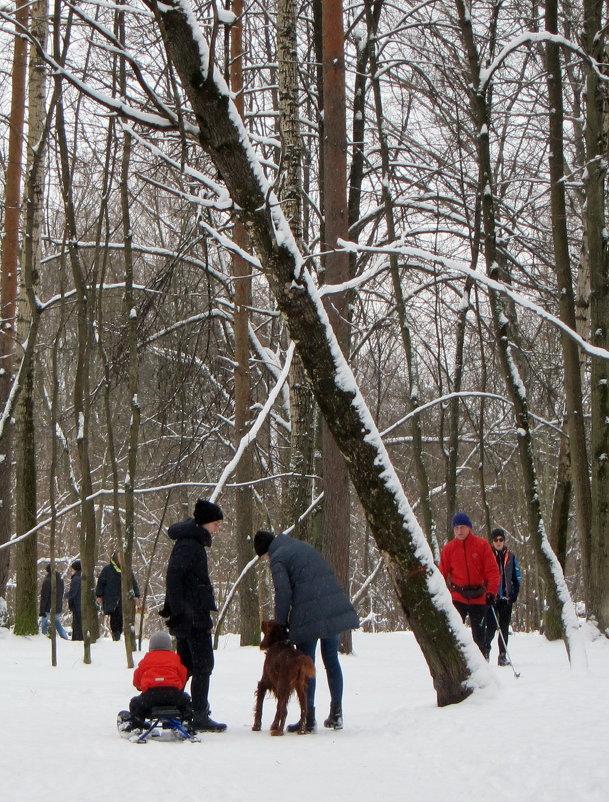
(308, 598)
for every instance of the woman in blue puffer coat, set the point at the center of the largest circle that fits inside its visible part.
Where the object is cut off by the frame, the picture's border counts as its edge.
(312, 606)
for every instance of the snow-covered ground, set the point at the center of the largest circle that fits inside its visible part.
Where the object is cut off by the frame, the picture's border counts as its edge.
(543, 736)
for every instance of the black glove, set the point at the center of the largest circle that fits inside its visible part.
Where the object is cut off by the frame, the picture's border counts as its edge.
(490, 598)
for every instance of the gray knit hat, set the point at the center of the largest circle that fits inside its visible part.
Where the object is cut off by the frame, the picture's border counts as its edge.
(160, 641)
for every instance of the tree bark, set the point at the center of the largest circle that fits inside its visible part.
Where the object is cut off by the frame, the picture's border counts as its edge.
(8, 287)
(420, 588)
(26, 613)
(558, 597)
(336, 528)
(244, 502)
(578, 449)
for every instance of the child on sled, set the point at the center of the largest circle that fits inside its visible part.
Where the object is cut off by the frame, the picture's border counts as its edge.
(161, 677)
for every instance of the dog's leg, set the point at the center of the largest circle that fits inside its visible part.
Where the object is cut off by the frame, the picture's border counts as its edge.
(281, 713)
(260, 694)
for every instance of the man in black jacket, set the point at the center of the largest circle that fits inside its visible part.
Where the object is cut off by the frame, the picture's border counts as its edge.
(108, 594)
(189, 602)
(313, 606)
(74, 604)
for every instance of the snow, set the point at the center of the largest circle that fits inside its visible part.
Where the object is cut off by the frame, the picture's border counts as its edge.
(540, 737)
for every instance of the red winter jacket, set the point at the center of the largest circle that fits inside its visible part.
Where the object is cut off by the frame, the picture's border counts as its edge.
(469, 562)
(160, 668)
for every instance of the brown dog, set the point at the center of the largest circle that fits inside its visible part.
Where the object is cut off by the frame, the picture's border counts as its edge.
(286, 669)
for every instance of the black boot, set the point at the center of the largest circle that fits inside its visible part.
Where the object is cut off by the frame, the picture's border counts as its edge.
(335, 719)
(310, 726)
(201, 722)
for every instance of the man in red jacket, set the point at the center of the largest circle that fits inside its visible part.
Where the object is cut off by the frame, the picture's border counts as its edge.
(161, 676)
(471, 573)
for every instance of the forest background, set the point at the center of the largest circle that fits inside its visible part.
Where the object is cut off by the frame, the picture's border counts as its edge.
(178, 177)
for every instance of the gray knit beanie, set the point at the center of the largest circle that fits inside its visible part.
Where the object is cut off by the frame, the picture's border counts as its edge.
(160, 641)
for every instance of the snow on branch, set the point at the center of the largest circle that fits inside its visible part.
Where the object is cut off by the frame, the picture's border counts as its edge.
(529, 38)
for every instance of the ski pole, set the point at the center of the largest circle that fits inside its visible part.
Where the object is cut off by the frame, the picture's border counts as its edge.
(516, 673)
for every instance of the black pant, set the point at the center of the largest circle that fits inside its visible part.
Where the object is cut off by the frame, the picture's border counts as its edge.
(477, 620)
(76, 625)
(116, 622)
(164, 696)
(503, 610)
(197, 653)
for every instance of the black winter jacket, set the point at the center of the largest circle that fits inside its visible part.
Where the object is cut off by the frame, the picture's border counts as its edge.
(74, 593)
(190, 595)
(308, 598)
(45, 594)
(109, 587)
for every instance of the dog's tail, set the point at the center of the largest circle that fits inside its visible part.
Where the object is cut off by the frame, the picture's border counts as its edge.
(308, 669)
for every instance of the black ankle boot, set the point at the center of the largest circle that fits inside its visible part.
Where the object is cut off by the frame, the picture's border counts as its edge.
(310, 724)
(335, 719)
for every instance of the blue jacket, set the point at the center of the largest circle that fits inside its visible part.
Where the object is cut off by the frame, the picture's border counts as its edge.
(308, 598)
(509, 574)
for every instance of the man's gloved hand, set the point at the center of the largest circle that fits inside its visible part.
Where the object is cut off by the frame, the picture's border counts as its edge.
(490, 598)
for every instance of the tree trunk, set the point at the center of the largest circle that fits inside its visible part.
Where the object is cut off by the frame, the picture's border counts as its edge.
(244, 503)
(558, 597)
(595, 188)
(26, 613)
(577, 446)
(8, 287)
(420, 588)
(336, 532)
(296, 495)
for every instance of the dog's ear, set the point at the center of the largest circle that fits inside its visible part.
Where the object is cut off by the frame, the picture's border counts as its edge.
(265, 627)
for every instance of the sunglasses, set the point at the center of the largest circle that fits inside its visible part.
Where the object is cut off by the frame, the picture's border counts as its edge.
(500, 539)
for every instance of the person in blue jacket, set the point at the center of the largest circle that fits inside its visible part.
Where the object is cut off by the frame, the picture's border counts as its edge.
(312, 606)
(509, 585)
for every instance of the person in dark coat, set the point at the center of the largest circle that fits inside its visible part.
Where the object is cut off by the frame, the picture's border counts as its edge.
(45, 604)
(189, 602)
(312, 606)
(74, 600)
(509, 585)
(108, 594)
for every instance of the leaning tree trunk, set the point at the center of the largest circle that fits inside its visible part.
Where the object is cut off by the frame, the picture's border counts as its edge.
(450, 654)
(577, 457)
(557, 592)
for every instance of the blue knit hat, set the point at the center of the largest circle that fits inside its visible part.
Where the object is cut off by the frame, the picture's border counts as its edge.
(461, 519)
